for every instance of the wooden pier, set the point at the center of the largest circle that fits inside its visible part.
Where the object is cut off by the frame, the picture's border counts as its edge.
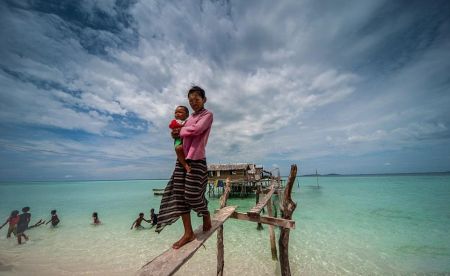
(171, 260)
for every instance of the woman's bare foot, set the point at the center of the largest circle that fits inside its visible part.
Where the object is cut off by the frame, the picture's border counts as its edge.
(206, 223)
(184, 239)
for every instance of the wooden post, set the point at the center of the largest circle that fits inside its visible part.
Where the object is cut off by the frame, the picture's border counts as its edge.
(273, 245)
(258, 192)
(220, 250)
(275, 204)
(288, 208)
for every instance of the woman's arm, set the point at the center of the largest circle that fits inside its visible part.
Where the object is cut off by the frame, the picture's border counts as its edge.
(199, 127)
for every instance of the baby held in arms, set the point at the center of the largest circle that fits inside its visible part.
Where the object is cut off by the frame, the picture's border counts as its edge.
(181, 115)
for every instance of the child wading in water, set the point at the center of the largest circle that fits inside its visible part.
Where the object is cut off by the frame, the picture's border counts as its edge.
(95, 219)
(185, 190)
(153, 217)
(13, 219)
(22, 224)
(54, 219)
(181, 115)
(138, 221)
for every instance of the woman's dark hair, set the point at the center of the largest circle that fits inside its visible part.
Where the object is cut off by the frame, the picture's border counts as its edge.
(198, 90)
(95, 214)
(185, 109)
(14, 213)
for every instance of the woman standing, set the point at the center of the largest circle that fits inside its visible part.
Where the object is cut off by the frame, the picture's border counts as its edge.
(186, 191)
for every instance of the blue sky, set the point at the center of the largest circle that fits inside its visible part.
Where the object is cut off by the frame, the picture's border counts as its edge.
(89, 87)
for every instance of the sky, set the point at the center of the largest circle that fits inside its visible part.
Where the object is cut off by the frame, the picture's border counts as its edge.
(88, 88)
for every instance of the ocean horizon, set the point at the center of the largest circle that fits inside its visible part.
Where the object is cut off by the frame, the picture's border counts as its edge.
(351, 225)
(283, 176)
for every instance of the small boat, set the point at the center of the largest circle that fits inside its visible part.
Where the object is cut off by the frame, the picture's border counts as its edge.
(158, 191)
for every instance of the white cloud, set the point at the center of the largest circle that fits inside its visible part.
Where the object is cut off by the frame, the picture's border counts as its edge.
(285, 82)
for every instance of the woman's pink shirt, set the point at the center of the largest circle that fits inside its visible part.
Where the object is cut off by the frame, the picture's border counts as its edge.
(195, 134)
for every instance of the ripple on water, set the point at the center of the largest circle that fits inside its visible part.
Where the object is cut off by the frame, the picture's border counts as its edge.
(424, 250)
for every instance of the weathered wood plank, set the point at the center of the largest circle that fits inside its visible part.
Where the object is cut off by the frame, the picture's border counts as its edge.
(254, 212)
(172, 259)
(284, 223)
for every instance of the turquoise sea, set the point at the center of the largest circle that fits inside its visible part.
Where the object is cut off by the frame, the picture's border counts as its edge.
(351, 225)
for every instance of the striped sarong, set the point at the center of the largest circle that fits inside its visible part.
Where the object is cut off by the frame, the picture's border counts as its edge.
(184, 191)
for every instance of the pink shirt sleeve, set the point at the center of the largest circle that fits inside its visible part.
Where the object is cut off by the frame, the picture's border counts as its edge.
(198, 127)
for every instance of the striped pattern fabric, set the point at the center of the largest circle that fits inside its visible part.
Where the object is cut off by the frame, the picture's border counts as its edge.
(184, 191)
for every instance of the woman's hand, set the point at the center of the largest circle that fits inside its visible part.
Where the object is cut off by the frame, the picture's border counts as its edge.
(175, 133)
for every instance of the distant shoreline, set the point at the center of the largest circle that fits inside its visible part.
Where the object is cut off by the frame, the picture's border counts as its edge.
(302, 175)
(376, 174)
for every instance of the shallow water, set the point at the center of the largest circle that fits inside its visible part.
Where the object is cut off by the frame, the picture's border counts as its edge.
(371, 225)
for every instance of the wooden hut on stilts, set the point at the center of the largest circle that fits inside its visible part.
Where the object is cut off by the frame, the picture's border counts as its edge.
(245, 179)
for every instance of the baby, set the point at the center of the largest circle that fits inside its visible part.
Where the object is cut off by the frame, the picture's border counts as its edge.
(181, 114)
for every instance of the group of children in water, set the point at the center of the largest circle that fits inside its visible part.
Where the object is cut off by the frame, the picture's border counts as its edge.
(153, 220)
(19, 223)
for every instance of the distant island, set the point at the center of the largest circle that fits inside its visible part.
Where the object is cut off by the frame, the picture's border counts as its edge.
(376, 174)
(330, 174)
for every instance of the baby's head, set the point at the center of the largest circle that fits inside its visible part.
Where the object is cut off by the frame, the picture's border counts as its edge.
(181, 112)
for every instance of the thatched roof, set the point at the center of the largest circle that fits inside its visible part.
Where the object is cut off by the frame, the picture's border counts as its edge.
(228, 167)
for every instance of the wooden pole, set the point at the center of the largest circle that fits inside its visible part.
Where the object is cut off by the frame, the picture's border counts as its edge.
(258, 192)
(273, 245)
(220, 248)
(288, 208)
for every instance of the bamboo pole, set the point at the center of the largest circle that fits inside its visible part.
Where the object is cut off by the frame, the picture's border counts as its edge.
(220, 248)
(288, 208)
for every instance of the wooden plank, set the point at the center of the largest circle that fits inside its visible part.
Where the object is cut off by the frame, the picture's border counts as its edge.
(172, 259)
(284, 223)
(254, 212)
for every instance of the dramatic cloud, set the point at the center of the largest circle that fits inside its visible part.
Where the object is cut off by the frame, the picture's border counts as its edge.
(88, 87)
